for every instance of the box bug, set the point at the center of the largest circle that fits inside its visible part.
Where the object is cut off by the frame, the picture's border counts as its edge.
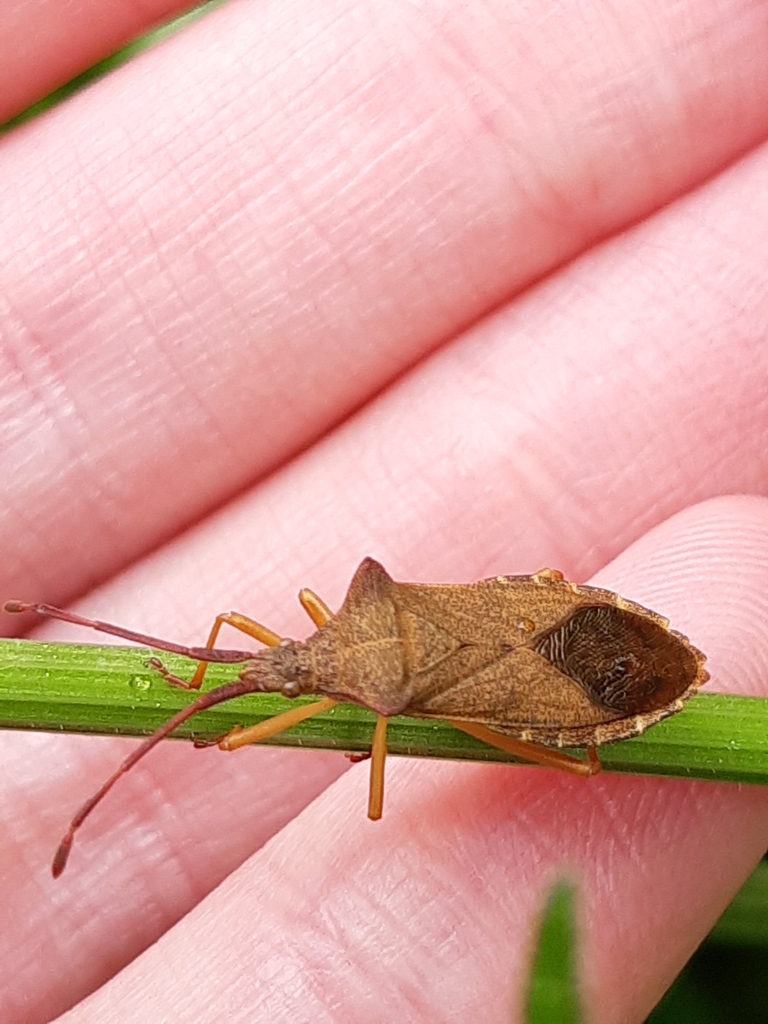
(524, 663)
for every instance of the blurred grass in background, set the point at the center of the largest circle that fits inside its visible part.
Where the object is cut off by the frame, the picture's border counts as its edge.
(726, 980)
(115, 60)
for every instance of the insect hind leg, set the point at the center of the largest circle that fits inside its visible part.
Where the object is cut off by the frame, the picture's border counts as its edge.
(531, 752)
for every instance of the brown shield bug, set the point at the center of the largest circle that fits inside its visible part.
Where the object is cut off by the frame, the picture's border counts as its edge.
(524, 663)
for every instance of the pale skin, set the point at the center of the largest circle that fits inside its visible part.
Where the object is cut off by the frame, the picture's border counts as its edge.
(212, 259)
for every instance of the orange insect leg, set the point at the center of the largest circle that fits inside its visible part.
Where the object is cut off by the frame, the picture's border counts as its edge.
(319, 612)
(272, 726)
(248, 626)
(315, 607)
(532, 751)
(378, 760)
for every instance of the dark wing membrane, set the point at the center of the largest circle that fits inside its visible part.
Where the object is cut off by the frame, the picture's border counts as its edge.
(624, 662)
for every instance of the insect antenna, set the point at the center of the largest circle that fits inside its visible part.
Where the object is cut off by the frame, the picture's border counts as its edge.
(206, 700)
(210, 654)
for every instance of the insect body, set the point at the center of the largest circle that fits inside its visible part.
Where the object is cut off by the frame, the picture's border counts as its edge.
(525, 663)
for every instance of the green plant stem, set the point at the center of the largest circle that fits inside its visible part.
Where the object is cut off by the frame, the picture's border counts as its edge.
(112, 691)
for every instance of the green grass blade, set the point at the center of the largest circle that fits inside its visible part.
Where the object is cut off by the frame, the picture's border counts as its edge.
(111, 691)
(115, 60)
(553, 992)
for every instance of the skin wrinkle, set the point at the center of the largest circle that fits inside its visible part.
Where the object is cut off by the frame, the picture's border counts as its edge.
(34, 369)
(561, 210)
(305, 43)
(465, 98)
(282, 153)
(87, 198)
(369, 961)
(478, 457)
(49, 395)
(619, 837)
(348, 985)
(551, 203)
(484, 93)
(436, 200)
(159, 229)
(349, 107)
(204, 415)
(536, 412)
(158, 806)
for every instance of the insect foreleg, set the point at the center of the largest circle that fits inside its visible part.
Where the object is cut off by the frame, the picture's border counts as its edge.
(320, 613)
(248, 626)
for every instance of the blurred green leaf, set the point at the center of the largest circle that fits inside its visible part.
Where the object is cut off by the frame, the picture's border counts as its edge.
(553, 992)
(726, 980)
(745, 921)
(115, 60)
